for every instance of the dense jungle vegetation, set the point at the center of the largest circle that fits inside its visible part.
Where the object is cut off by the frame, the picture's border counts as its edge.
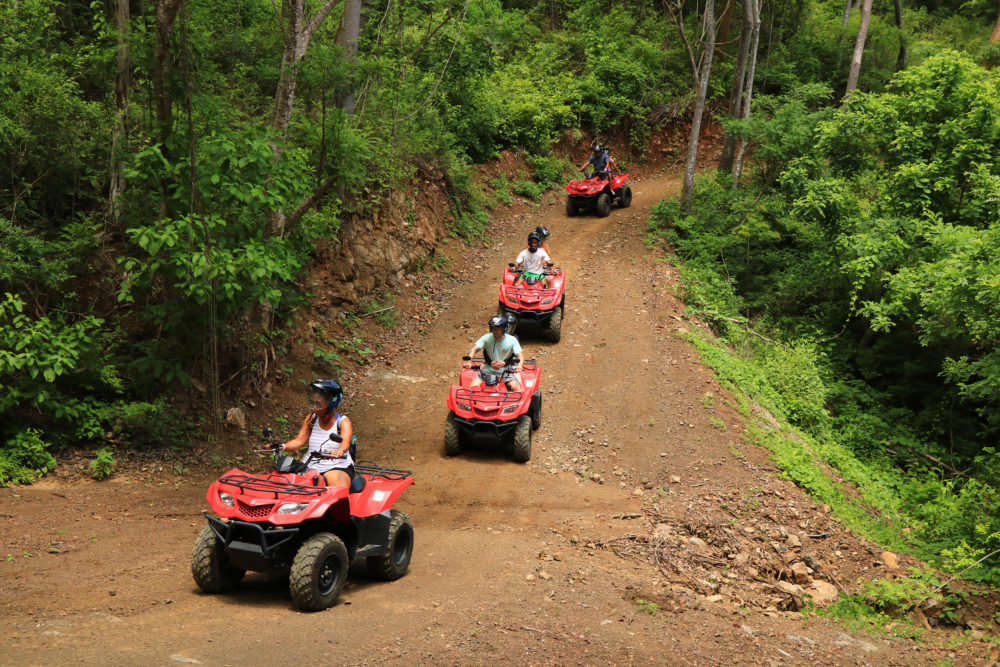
(168, 166)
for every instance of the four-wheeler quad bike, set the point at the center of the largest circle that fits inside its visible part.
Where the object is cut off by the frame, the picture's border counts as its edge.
(493, 413)
(531, 302)
(289, 521)
(594, 194)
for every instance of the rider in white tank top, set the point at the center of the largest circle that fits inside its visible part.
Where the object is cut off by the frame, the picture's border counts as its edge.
(319, 441)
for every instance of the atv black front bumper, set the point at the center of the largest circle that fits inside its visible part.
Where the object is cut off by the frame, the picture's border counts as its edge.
(263, 548)
(485, 428)
(250, 547)
(532, 316)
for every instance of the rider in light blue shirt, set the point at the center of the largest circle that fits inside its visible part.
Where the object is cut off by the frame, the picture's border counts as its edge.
(497, 347)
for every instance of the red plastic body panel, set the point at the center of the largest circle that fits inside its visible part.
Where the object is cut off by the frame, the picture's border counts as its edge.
(321, 501)
(489, 402)
(594, 186)
(531, 297)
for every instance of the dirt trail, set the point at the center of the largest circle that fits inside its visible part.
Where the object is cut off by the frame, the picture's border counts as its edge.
(513, 563)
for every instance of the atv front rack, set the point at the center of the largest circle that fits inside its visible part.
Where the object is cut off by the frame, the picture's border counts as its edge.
(517, 293)
(490, 397)
(263, 485)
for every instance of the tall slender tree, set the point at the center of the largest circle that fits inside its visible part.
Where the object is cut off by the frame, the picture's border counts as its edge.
(859, 48)
(736, 88)
(901, 57)
(702, 70)
(755, 6)
(118, 133)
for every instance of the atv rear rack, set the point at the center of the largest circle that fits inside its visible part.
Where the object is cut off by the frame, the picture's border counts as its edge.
(263, 485)
(374, 470)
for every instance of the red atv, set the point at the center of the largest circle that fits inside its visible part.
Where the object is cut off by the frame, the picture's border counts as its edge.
(288, 521)
(531, 302)
(594, 193)
(491, 412)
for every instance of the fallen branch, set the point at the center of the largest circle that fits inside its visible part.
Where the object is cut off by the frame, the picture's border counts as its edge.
(751, 331)
(936, 460)
(376, 312)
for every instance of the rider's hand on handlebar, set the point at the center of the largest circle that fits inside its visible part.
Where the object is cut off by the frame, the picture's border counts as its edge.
(278, 446)
(466, 364)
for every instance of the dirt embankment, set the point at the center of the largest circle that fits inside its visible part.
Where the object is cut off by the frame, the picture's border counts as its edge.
(643, 530)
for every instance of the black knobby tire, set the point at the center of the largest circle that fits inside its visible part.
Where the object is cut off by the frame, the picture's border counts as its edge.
(522, 439)
(625, 197)
(555, 325)
(210, 567)
(570, 207)
(394, 564)
(536, 410)
(604, 205)
(452, 436)
(319, 572)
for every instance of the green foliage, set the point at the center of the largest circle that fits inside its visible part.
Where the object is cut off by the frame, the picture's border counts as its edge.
(864, 241)
(649, 607)
(549, 171)
(528, 189)
(24, 458)
(471, 225)
(103, 464)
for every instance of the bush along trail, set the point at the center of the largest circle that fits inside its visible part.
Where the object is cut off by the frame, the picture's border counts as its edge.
(647, 527)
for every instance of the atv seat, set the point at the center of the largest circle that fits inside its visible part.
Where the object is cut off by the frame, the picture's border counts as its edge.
(357, 482)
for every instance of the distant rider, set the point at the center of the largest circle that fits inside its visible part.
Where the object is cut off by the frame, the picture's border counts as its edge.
(543, 234)
(497, 347)
(324, 398)
(602, 161)
(531, 262)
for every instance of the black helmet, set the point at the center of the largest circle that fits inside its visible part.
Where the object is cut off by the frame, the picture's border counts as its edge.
(542, 231)
(499, 321)
(598, 148)
(534, 235)
(329, 389)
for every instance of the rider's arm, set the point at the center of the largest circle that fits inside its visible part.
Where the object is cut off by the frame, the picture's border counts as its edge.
(302, 438)
(472, 353)
(346, 431)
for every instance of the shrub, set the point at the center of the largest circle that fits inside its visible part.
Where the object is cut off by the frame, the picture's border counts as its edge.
(24, 458)
(528, 189)
(103, 465)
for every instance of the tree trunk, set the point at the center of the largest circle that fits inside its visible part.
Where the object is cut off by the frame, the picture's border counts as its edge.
(118, 134)
(859, 48)
(996, 32)
(754, 43)
(725, 23)
(166, 13)
(687, 191)
(901, 57)
(736, 89)
(347, 39)
(298, 33)
(847, 13)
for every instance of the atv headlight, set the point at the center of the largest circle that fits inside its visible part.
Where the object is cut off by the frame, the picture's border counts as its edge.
(545, 301)
(463, 406)
(509, 409)
(226, 498)
(292, 508)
